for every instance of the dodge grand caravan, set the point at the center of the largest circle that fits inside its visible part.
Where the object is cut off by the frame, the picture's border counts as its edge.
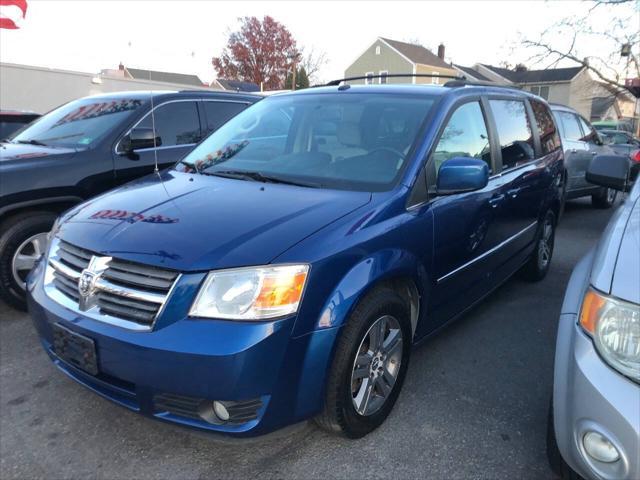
(285, 267)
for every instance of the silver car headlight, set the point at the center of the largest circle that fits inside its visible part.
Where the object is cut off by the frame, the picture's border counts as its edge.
(615, 327)
(251, 293)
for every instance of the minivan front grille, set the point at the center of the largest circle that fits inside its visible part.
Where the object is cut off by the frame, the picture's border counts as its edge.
(124, 293)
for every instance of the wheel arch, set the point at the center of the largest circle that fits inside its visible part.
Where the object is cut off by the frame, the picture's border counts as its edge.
(54, 205)
(398, 269)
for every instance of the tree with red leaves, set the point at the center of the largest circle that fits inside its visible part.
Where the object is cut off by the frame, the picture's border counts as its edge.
(261, 51)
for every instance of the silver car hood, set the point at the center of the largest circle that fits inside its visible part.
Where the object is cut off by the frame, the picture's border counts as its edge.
(616, 264)
(626, 276)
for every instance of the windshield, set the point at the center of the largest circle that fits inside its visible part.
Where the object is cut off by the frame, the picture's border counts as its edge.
(77, 124)
(357, 141)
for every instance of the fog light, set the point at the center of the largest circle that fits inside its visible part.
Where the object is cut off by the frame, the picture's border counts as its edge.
(600, 448)
(221, 411)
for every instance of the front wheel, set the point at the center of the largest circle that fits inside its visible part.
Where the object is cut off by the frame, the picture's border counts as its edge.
(22, 240)
(538, 265)
(369, 365)
(605, 198)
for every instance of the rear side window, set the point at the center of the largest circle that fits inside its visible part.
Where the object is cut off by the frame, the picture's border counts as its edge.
(218, 113)
(549, 138)
(464, 136)
(514, 132)
(589, 134)
(570, 125)
(176, 123)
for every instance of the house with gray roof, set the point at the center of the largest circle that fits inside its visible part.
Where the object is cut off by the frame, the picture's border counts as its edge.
(155, 76)
(572, 86)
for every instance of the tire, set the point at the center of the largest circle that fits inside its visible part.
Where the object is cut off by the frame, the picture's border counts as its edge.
(538, 265)
(556, 462)
(14, 232)
(605, 198)
(340, 414)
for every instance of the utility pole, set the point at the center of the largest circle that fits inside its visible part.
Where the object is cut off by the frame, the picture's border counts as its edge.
(293, 77)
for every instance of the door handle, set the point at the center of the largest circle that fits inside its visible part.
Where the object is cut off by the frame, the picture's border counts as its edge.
(513, 193)
(594, 153)
(495, 200)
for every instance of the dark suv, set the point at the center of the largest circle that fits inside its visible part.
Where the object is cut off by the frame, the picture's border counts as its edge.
(285, 267)
(86, 147)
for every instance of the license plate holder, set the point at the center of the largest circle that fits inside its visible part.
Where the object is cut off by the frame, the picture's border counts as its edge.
(75, 349)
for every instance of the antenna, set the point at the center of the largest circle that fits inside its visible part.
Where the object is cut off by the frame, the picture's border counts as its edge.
(153, 126)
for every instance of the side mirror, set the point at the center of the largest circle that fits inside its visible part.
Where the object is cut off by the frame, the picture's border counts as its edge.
(597, 138)
(462, 174)
(142, 137)
(610, 171)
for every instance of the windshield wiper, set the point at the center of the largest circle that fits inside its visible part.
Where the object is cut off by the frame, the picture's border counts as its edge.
(32, 142)
(260, 177)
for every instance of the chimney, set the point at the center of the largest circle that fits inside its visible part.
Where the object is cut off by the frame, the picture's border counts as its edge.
(121, 67)
(441, 51)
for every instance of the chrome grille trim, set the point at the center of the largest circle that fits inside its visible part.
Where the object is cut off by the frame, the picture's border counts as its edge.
(121, 296)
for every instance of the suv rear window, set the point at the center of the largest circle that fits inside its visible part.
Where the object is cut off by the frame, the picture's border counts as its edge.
(549, 138)
(514, 132)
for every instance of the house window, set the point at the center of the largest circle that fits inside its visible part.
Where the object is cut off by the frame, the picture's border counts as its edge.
(435, 80)
(377, 49)
(369, 79)
(541, 91)
(383, 76)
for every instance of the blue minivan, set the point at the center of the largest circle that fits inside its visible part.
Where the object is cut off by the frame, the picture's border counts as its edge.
(286, 266)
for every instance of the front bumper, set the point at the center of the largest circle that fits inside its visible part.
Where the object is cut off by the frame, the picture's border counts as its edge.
(185, 361)
(590, 396)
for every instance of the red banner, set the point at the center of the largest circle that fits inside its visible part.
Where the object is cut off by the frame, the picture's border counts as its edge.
(12, 12)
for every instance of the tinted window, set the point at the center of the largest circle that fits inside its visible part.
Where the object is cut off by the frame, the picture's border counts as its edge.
(79, 123)
(549, 139)
(354, 142)
(7, 128)
(589, 135)
(570, 125)
(176, 123)
(514, 132)
(464, 136)
(218, 113)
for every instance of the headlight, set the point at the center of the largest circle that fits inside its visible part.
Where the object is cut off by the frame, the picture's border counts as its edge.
(615, 327)
(51, 234)
(252, 293)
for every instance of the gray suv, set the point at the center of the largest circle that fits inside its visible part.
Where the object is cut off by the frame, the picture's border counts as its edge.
(581, 143)
(594, 422)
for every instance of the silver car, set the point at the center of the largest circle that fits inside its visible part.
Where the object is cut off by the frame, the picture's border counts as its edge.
(594, 426)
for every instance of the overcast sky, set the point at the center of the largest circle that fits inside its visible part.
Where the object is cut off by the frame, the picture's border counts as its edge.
(182, 36)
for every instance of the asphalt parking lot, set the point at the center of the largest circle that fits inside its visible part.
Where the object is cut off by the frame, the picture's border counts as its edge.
(473, 406)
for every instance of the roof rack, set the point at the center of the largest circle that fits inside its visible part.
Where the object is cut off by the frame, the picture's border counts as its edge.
(335, 83)
(478, 83)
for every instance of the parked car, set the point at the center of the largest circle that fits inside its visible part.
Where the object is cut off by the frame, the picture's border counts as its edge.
(624, 125)
(285, 267)
(594, 423)
(624, 143)
(13, 120)
(84, 148)
(581, 143)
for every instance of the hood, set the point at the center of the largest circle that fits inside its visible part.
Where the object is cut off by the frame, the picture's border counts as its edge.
(21, 151)
(626, 277)
(192, 222)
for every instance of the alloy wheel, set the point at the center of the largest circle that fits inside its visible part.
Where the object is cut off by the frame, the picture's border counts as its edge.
(26, 256)
(545, 245)
(377, 365)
